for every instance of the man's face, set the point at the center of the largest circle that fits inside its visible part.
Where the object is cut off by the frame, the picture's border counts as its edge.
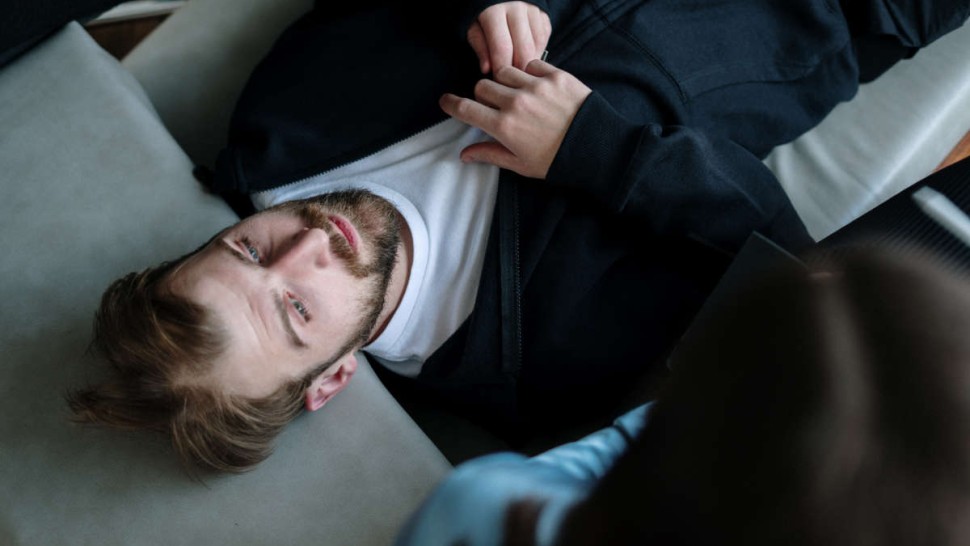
(294, 286)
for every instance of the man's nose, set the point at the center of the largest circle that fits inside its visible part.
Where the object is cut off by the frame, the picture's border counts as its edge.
(310, 249)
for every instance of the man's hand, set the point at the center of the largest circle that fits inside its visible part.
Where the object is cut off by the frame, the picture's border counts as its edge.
(528, 113)
(511, 33)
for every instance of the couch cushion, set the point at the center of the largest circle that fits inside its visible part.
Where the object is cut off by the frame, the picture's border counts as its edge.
(92, 187)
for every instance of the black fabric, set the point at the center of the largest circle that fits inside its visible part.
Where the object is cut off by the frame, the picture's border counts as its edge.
(887, 31)
(388, 81)
(27, 22)
(240, 203)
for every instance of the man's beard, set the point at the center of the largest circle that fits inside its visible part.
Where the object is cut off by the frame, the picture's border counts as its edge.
(378, 224)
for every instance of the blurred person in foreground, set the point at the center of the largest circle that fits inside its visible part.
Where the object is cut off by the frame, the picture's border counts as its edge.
(821, 407)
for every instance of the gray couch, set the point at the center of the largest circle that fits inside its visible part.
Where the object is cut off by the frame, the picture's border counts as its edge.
(95, 171)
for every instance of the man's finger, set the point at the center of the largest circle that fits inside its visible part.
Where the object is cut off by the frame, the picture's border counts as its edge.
(493, 94)
(469, 111)
(523, 44)
(541, 28)
(499, 40)
(539, 68)
(476, 39)
(513, 77)
(493, 153)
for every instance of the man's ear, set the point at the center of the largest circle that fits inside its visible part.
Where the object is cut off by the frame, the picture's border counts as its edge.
(330, 382)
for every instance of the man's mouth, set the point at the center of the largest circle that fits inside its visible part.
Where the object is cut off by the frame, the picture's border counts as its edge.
(347, 230)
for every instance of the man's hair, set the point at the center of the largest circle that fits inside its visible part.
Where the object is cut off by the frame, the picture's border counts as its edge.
(820, 409)
(157, 345)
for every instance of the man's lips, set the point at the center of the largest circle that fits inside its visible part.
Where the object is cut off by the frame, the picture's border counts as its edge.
(347, 230)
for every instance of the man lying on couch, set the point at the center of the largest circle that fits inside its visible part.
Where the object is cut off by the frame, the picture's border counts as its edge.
(526, 281)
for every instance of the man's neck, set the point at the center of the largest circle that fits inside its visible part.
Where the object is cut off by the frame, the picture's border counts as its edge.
(399, 279)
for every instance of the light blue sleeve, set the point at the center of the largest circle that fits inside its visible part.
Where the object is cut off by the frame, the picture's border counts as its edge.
(471, 505)
(590, 457)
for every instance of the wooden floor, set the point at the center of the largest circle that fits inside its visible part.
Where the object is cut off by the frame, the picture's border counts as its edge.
(118, 38)
(960, 151)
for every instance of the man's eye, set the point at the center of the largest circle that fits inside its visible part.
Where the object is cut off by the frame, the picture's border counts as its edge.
(300, 308)
(251, 249)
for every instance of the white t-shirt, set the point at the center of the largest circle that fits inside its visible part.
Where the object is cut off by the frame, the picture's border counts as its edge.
(448, 207)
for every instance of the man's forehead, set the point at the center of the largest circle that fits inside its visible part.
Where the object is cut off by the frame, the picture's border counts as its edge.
(198, 274)
(214, 282)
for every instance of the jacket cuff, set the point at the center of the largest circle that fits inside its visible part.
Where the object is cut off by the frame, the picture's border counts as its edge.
(596, 152)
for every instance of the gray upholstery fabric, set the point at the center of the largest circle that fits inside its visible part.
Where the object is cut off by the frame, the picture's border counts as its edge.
(217, 42)
(92, 187)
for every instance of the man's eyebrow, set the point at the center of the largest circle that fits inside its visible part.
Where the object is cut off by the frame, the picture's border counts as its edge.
(291, 334)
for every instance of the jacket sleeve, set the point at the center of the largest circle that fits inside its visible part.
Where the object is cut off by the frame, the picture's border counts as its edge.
(674, 180)
(470, 506)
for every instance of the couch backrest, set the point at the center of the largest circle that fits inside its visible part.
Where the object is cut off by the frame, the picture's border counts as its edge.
(194, 65)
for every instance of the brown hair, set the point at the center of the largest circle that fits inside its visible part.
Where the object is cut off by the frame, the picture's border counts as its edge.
(155, 343)
(823, 409)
